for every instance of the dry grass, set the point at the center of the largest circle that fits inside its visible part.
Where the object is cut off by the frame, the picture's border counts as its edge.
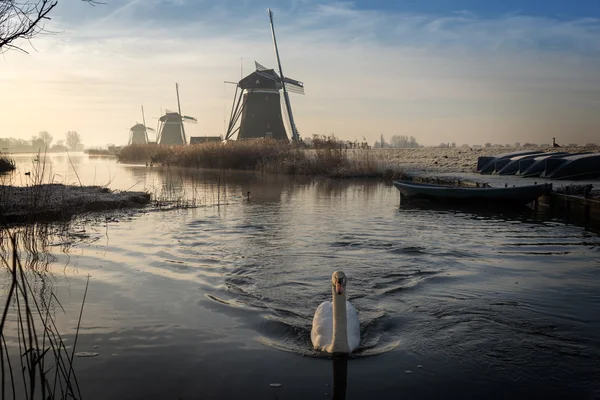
(263, 155)
(43, 366)
(40, 201)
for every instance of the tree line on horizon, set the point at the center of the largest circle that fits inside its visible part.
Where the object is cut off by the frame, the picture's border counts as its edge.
(42, 142)
(397, 142)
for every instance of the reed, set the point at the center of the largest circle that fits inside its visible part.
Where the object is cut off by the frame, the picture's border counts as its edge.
(43, 366)
(329, 158)
(6, 163)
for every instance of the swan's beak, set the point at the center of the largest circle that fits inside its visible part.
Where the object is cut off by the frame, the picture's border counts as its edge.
(339, 289)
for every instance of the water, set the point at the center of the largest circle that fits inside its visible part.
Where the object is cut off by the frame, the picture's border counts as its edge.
(217, 301)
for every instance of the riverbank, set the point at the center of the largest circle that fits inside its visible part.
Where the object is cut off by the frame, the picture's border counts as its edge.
(265, 156)
(447, 160)
(48, 202)
(273, 156)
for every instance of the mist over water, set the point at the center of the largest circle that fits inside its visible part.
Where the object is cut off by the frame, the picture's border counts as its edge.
(217, 301)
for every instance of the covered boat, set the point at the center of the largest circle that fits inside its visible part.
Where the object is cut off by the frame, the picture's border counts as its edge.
(534, 167)
(487, 164)
(578, 166)
(503, 196)
(510, 166)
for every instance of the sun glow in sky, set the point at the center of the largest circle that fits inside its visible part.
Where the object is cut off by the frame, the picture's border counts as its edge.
(443, 71)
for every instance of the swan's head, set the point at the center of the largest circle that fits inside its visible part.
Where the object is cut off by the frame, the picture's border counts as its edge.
(338, 280)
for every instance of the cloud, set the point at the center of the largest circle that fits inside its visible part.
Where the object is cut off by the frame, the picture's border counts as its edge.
(455, 77)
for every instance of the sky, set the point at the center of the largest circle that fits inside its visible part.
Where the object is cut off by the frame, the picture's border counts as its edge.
(464, 71)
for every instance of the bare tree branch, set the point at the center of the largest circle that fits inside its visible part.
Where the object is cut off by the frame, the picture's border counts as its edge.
(23, 20)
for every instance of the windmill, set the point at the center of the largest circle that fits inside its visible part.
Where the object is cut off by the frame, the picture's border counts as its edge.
(258, 102)
(171, 130)
(138, 134)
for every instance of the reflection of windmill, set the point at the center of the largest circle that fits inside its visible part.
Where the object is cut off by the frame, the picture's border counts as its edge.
(138, 134)
(258, 102)
(171, 130)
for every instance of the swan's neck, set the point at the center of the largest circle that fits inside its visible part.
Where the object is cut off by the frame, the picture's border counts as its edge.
(340, 324)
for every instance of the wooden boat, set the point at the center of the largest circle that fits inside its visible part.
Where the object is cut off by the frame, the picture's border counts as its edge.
(502, 196)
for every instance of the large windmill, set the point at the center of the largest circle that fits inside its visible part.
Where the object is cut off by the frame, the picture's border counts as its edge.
(171, 130)
(258, 102)
(138, 134)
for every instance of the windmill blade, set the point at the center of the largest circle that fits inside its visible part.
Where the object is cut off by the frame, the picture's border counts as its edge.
(294, 86)
(149, 129)
(189, 119)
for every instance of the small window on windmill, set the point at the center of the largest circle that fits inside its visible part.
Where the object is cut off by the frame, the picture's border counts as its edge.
(268, 134)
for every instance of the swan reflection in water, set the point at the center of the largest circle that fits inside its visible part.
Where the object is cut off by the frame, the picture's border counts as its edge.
(340, 377)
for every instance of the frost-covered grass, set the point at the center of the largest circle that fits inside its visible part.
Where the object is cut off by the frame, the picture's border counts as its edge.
(58, 202)
(442, 160)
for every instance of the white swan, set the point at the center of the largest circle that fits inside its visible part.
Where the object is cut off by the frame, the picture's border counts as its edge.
(335, 327)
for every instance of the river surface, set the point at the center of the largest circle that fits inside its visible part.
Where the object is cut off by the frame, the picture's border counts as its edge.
(216, 301)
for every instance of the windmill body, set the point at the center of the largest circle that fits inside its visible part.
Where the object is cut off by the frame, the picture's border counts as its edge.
(138, 134)
(261, 114)
(171, 130)
(258, 103)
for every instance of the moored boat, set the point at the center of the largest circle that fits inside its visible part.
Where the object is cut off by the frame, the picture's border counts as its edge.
(510, 166)
(534, 167)
(486, 164)
(578, 166)
(498, 196)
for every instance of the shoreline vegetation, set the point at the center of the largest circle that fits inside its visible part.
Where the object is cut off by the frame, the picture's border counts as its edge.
(7, 164)
(266, 155)
(326, 157)
(49, 202)
(42, 365)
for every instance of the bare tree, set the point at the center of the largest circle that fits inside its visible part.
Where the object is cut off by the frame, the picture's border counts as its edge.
(74, 140)
(23, 20)
(46, 137)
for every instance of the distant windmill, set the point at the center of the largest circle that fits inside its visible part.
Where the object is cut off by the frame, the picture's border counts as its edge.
(171, 130)
(138, 134)
(258, 102)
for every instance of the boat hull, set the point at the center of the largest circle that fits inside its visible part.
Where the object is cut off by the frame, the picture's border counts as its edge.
(579, 166)
(508, 196)
(487, 164)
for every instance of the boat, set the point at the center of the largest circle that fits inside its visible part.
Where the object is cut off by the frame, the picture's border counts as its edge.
(534, 167)
(487, 164)
(510, 166)
(499, 196)
(578, 166)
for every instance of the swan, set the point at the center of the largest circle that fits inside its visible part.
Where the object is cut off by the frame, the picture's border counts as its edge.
(335, 327)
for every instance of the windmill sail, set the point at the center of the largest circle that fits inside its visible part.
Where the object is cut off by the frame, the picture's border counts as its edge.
(286, 118)
(294, 86)
(285, 93)
(191, 120)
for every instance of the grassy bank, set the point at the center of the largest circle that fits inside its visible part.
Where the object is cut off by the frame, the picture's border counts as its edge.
(263, 155)
(45, 202)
